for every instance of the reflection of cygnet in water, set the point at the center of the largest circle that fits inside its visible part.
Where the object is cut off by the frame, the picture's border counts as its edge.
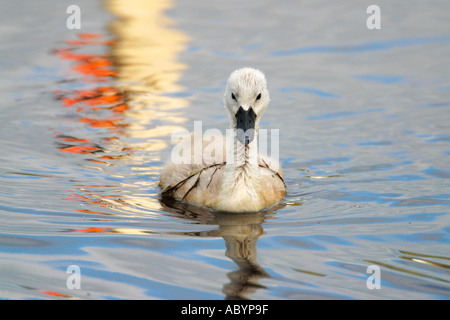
(240, 232)
(238, 179)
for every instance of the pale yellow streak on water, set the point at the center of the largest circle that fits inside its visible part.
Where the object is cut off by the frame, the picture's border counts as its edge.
(148, 71)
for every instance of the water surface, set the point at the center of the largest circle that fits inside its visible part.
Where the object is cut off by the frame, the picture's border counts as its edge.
(86, 123)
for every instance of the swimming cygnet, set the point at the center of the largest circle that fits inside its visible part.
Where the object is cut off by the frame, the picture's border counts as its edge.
(236, 179)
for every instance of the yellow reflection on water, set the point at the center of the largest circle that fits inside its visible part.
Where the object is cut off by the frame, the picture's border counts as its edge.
(147, 47)
(133, 106)
(145, 55)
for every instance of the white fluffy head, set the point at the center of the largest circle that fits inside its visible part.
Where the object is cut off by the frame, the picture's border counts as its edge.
(246, 88)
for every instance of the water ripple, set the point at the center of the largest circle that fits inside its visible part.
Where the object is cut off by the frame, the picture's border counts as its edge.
(364, 47)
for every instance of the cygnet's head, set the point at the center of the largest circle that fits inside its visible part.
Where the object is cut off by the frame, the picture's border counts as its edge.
(246, 97)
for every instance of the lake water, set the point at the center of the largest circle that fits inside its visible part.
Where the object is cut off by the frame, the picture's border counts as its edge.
(86, 122)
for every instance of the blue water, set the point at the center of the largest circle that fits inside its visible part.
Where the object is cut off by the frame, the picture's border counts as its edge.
(86, 123)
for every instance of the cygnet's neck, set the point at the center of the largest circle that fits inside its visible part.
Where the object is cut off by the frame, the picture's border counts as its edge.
(240, 156)
(241, 186)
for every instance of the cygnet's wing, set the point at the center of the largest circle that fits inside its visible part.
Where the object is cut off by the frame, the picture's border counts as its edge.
(272, 181)
(199, 179)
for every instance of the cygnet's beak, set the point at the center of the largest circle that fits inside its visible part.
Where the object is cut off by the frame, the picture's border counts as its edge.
(245, 125)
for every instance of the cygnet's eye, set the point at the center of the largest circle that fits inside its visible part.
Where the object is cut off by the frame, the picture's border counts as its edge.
(258, 97)
(233, 96)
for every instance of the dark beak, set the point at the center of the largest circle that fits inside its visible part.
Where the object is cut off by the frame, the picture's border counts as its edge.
(245, 125)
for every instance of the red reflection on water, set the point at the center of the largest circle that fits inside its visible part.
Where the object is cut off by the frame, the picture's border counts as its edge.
(100, 107)
(79, 149)
(94, 230)
(53, 293)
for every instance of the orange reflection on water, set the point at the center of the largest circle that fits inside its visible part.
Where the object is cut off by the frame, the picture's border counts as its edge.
(99, 196)
(118, 94)
(112, 230)
(79, 149)
(53, 293)
(93, 98)
(93, 230)
(95, 65)
(100, 99)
